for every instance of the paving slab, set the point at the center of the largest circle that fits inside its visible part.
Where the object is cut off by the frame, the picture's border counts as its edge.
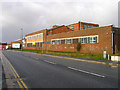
(0, 75)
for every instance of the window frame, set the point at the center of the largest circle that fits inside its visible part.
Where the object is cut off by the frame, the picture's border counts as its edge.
(57, 41)
(67, 42)
(83, 40)
(71, 27)
(54, 42)
(93, 40)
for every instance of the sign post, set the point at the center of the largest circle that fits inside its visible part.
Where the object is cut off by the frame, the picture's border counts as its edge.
(105, 54)
(46, 45)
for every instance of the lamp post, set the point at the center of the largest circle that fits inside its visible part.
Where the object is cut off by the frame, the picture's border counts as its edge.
(22, 39)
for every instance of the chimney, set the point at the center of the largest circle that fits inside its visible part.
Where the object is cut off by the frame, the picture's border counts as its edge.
(55, 26)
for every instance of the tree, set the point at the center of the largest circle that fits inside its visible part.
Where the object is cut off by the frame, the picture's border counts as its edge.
(78, 46)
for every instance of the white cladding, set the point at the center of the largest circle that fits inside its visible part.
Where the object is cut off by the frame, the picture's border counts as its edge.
(15, 45)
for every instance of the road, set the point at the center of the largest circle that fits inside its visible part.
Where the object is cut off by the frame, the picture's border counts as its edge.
(38, 71)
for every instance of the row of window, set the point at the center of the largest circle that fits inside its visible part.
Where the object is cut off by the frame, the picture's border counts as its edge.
(77, 40)
(35, 37)
(84, 26)
(38, 44)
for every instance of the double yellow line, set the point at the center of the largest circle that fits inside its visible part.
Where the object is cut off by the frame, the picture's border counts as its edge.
(20, 82)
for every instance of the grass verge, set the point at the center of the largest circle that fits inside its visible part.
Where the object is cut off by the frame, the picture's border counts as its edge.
(71, 54)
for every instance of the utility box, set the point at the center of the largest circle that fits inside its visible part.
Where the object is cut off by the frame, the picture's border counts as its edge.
(105, 54)
(115, 58)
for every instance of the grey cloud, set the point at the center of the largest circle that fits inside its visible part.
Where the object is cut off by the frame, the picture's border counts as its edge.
(34, 16)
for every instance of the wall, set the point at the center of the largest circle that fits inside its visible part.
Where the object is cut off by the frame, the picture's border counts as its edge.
(104, 44)
(104, 41)
(77, 26)
(116, 40)
(59, 29)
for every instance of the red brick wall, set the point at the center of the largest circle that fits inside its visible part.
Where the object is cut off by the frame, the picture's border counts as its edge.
(116, 40)
(4, 47)
(77, 26)
(105, 40)
(104, 44)
(59, 30)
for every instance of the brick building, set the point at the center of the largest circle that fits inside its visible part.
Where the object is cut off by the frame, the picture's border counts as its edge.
(3, 46)
(18, 42)
(93, 39)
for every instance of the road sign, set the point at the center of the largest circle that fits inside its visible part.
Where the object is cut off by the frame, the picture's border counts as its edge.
(46, 42)
(33, 43)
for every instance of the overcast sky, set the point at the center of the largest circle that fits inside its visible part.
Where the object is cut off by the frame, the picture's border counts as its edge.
(34, 15)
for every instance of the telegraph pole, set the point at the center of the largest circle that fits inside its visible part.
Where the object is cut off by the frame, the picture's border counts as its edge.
(22, 39)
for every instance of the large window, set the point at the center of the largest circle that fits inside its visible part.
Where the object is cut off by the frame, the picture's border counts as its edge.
(75, 41)
(89, 26)
(83, 40)
(29, 44)
(85, 26)
(58, 42)
(62, 41)
(68, 41)
(72, 27)
(53, 42)
(93, 39)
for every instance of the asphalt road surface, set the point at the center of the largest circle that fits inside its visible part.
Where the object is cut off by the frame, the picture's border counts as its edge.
(39, 71)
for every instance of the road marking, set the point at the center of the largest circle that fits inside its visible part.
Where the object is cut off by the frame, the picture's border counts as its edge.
(49, 62)
(35, 58)
(97, 62)
(19, 84)
(17, 76)
(86, 72)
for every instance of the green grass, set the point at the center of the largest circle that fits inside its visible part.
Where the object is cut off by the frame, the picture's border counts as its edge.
(71, 54)
(117, 54)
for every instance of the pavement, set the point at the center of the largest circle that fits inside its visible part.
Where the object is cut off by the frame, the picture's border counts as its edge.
(0, 72)
(0, 75)
(42, 71)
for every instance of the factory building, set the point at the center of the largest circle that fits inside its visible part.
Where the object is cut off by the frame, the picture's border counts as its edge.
(92, 38)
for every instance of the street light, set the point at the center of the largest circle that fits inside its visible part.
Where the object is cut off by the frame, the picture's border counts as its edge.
(22, 39)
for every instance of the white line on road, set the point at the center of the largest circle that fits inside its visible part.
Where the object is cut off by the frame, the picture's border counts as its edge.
(86, 72)
(36, 58)
(49, 62)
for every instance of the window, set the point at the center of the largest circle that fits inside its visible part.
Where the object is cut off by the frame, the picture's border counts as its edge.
(83, 40)
(89, 26)
(37, 44)
(72, 27)
(62, 41)
(85, 26)
(50, 34)
(53, 42)
(41, 35)
(68, 41)
(75, 41)
(35, 36)
(58, 42)
(41, 44)
(93, 39)
(32, 37)
(81, 28)
(29, 44)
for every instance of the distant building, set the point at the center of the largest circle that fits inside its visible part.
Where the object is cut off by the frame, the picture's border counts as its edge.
(18, 43)
(3, 46)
